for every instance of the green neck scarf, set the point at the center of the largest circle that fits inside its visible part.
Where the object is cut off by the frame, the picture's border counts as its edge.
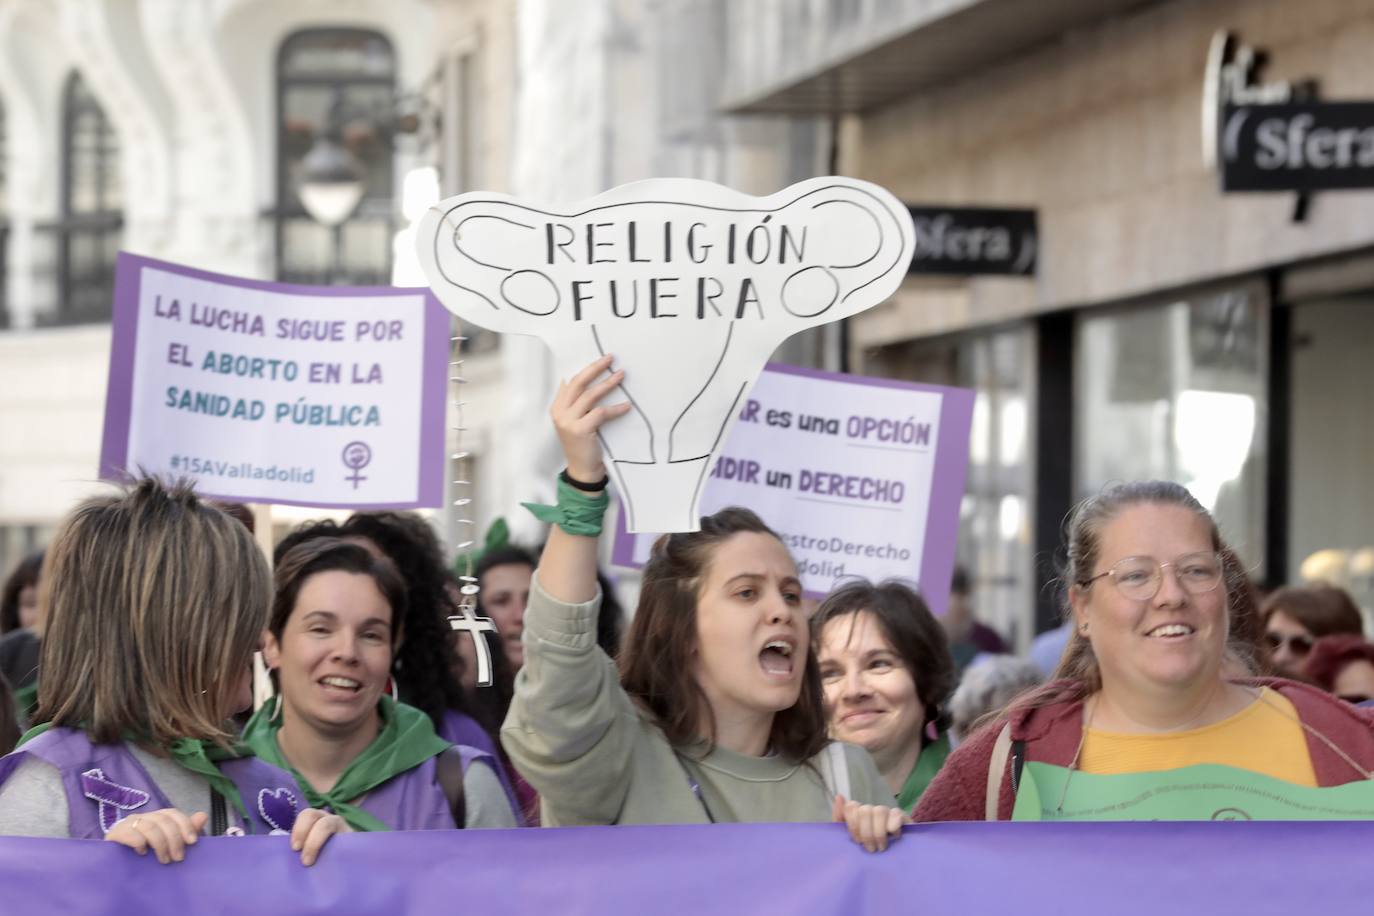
(193, 754)
(405, 741)
(927, 765)
(26, 701)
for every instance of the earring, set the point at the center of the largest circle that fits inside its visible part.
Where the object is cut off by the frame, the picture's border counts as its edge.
(931, 731)
(1083, 629)
(392, 691)
(275, 718)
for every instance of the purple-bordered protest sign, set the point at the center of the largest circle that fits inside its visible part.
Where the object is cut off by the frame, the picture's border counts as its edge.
(275, 393)
(861, 476)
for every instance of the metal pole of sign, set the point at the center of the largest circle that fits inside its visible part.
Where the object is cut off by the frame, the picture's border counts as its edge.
(262, 533)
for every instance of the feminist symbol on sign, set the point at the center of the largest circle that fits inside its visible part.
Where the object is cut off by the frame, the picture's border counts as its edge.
(356, 456)
(475, 627)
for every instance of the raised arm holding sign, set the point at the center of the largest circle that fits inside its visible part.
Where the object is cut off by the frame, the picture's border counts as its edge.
(717, 716)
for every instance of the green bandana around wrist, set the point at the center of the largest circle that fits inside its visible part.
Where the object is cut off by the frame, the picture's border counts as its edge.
(192, 754)
(927, 765)
(405, 741)
(578, 513)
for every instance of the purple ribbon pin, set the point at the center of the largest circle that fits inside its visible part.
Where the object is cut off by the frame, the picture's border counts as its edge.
(115, 801)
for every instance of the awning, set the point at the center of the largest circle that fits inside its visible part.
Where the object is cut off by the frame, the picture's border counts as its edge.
(848, 56)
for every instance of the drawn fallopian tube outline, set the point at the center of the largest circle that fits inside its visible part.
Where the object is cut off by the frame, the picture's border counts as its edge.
(690, 285)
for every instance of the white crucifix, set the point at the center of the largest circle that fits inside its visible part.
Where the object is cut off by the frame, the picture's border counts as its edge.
(475, 627)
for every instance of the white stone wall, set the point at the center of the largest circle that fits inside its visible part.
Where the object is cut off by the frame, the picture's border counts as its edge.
(52, 406)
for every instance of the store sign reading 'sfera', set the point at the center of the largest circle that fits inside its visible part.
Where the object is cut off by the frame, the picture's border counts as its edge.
(968, 241)
(1298, 146)
(690, 285)
(1276, 136)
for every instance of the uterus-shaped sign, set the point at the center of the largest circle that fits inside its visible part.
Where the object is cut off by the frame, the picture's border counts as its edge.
(689, 284)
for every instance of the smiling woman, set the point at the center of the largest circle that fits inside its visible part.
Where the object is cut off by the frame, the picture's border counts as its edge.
(1160, 610)
(887, 673)
(715, 713)
(354, 750)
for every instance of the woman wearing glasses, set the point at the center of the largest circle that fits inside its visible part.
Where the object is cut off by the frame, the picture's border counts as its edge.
(1295, 618)
(1159, 608)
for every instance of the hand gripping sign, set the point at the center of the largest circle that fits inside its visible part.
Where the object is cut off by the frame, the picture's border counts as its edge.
(689, 284)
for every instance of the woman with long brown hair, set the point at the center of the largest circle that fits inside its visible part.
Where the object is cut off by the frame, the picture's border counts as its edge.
(715, 713)
(155, 602)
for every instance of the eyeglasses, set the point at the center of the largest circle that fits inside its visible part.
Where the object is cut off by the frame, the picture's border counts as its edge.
(1139, 578)
(1298, 645)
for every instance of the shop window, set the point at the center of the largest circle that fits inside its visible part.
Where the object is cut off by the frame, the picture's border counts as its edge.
(1331, 438)
(1177, 391)
(336, 80)
(996, 534)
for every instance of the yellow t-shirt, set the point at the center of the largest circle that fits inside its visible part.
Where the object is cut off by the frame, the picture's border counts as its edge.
(1264, 737)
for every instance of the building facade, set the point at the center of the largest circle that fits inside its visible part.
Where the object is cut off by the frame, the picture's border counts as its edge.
(176, 129)
(1222, 340)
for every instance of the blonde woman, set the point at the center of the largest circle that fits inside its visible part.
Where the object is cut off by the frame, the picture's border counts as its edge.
(155, 602)
(1162, 618)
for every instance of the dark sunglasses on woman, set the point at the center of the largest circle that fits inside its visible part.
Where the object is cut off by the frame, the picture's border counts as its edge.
(1298, 645)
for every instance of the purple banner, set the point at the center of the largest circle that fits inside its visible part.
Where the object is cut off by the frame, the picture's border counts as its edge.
(1121, 869)
(277, 393)
(860, 476)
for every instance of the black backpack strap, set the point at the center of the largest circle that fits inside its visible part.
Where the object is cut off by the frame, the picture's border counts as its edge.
(219, 814)
(1018, 760)
(449, 770)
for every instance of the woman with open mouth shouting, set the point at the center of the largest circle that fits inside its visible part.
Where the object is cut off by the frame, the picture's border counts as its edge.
(1146, 718)
(353, 749)
(715, 713)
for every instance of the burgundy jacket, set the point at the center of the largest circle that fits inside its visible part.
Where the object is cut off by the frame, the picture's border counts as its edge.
(1051, 733)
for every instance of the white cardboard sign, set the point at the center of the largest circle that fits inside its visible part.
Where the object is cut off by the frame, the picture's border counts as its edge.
(270, 392)
(690, 285)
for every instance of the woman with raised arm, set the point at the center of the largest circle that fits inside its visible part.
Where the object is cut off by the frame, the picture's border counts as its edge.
(715, 714)
(155, 602)
(336, 622)
(1164, 620)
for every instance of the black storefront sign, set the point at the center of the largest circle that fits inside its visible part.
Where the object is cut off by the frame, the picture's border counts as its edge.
(1307, 146)
(974, 240)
